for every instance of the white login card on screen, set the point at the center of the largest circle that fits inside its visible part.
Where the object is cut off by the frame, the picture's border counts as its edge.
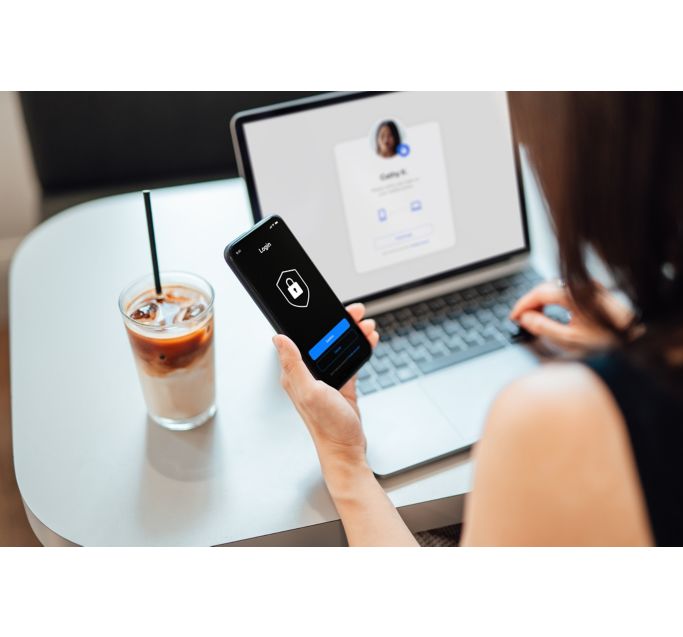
(397, 208)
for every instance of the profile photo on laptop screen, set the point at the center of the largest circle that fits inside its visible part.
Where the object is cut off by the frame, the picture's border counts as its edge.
(387, 139)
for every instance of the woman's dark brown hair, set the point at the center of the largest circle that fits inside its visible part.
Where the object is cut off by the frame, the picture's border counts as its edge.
(611, 168)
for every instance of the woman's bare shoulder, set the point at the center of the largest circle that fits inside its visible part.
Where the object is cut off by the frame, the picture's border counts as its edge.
(557, 400)
(555, 466)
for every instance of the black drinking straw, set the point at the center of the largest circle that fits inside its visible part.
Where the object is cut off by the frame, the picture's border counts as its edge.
(152, 241)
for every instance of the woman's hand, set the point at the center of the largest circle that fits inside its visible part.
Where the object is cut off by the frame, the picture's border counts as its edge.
(580, 333)
(333, 420)
(332, 416)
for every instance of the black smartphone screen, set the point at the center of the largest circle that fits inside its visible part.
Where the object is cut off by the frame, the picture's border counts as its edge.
(298, 302)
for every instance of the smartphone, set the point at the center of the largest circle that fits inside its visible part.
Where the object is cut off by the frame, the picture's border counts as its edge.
(297, 301)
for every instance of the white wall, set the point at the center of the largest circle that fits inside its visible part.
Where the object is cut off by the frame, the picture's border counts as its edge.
(19, 188)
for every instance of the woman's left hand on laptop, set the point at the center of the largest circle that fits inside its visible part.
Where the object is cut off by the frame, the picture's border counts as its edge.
(581, 333)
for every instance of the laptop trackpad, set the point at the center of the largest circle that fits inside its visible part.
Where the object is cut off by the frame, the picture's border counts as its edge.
(465, 392)
(404, 428)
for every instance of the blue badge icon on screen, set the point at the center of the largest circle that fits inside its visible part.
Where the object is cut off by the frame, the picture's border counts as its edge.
(382, 214)
(415, 206)
(403, 150)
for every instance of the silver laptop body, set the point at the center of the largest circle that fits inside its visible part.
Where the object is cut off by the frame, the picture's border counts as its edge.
(447, 348)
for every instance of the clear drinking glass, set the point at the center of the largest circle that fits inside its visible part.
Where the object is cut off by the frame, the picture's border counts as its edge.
(172, 341)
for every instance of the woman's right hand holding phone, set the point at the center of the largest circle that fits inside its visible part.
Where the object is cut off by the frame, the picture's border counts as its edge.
(332, 417)
(333, 420)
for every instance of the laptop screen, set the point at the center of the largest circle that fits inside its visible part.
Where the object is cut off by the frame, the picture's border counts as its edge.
(389, 190)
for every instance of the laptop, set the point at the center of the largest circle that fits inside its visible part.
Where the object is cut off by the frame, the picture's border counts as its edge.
(411, 203)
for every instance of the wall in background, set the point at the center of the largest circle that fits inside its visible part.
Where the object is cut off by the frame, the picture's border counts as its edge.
(19, 188)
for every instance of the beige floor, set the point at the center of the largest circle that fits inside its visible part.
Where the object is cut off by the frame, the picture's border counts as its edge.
(14, 528)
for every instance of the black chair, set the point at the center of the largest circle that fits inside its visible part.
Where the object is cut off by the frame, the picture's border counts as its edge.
(91, 144)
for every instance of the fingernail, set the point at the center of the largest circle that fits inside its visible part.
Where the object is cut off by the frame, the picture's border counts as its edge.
(276, 342)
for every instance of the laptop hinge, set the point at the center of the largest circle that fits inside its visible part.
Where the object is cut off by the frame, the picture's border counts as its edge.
(445, 286)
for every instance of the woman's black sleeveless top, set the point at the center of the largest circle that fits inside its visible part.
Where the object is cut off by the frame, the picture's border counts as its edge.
(653, 412)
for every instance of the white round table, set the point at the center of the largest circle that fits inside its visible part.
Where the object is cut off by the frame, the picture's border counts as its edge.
(92, 470)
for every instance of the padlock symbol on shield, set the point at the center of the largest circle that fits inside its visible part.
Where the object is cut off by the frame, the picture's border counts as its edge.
(293, 288)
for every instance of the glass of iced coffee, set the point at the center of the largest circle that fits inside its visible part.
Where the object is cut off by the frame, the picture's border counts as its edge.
(171, 335)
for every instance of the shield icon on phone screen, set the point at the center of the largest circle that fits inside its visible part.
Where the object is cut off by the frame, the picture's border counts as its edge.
(293, 288)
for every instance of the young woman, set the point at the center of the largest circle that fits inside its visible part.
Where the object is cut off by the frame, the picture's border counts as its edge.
(576, 453)
(387, 139)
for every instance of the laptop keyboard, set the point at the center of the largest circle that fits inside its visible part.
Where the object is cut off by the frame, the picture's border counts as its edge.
(449, 329)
